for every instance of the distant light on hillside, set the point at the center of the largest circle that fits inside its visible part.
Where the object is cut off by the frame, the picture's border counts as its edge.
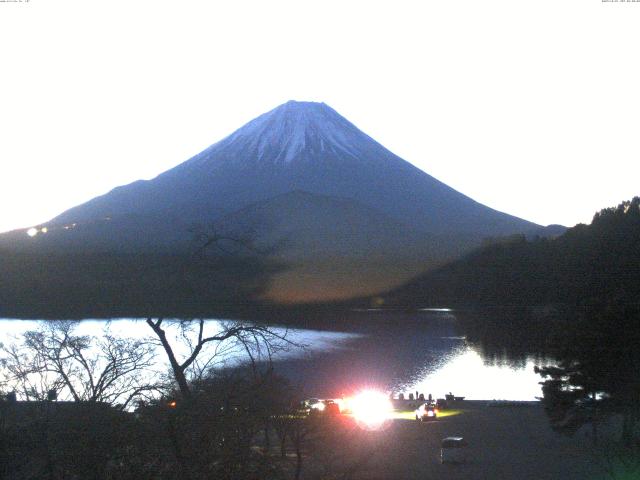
(33, 231)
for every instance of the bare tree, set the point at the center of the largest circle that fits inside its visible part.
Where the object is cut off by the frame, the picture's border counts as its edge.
(198, 345)
(192, 351)
(54, 359)
(24, 374)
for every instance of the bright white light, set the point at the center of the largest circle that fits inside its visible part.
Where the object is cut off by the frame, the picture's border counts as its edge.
(32, 232)
(371, 409)
(465, 373)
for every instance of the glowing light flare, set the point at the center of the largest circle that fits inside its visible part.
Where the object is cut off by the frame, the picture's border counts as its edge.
(33, 231)
(342, 404)
(372, 410)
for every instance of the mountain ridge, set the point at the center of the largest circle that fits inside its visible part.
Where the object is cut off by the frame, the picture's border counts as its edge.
(249, 165)
(348, 216)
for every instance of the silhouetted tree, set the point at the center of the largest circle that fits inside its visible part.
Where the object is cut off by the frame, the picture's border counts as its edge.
(55, 360)
(196, 345)
(596, 375)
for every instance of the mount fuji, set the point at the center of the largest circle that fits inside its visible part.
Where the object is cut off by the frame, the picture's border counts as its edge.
(300, 146)
(351, 217)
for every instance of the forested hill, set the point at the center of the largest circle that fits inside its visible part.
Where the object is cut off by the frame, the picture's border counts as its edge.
(588, 264)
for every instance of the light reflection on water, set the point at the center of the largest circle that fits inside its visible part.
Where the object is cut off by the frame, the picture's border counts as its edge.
(465, 373)
(406, 357)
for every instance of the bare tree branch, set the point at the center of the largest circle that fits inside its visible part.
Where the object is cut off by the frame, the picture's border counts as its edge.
(258, 341)
(84, 368)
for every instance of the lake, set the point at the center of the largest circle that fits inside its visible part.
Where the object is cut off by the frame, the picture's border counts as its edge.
(423, 352)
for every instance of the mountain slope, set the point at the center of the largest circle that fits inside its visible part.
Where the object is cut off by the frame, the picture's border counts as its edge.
(348, 216)
(336, 248)
(300, 146)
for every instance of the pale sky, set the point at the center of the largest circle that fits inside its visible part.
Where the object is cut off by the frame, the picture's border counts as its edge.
(530, 107)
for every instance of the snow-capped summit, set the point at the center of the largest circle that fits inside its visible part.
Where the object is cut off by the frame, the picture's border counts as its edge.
(301, 131)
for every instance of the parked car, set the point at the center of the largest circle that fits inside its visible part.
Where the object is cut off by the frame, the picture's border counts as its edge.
(453, 450)
(426, 411)
(315, 406)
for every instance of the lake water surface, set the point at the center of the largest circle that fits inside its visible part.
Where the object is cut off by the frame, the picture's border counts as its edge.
(400, 352)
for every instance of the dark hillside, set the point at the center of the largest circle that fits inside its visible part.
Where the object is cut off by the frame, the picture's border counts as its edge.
(588, 264)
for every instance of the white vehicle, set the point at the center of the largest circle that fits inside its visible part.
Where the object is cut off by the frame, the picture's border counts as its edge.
(453, 450)
(426, 411)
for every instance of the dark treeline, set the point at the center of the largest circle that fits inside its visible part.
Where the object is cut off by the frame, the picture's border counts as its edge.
(235, 424)
(587, 265)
